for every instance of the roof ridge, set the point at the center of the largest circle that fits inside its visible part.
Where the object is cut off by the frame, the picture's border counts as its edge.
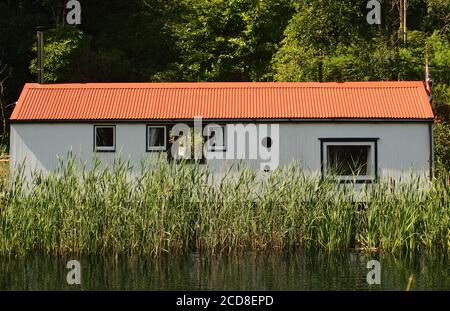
(218, 85)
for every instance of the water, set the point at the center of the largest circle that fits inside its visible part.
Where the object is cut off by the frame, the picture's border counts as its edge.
(295, 270)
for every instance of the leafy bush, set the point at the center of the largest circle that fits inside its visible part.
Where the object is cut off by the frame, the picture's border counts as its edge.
(442, 146)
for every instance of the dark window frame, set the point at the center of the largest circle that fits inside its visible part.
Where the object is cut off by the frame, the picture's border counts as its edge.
(219, 148)
(352, 141)
(113, 126)
(166, 138)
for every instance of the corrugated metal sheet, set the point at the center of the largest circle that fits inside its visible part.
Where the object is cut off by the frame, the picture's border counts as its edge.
(155, 101)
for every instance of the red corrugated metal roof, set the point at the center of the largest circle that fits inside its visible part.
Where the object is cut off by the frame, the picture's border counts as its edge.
(253, 100)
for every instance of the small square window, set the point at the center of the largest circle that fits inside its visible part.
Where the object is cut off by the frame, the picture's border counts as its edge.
(156, 138)
(215, 135)
(105, 138)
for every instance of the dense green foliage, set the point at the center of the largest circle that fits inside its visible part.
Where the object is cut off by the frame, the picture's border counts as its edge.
(442, 146)
(225, 40)
(179, 208)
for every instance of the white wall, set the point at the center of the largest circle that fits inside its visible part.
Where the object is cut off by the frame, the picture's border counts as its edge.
(401, 146)
(40, 145)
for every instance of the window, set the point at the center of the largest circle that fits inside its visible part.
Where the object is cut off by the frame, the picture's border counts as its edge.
(104, 138)
(215, 135)
(349, 159)
(156, 138)
(186, 144)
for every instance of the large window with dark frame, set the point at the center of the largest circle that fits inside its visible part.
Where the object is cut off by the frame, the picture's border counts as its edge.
(156, 138)
(349, 160)
(104, 138)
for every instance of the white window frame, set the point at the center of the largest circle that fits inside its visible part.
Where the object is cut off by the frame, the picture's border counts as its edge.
(371, 166)
(104, 148)
(155, 148)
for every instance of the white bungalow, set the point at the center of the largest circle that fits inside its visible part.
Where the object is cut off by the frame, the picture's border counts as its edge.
(370, 129)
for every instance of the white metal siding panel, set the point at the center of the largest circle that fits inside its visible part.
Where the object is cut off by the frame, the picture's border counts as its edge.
(401, 147)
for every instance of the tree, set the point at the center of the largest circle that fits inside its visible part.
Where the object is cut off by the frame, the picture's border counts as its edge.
(319, 31)
(223, 40)
(4, 74)
(334, 43)
(439, 10)
(67, 55)
(439, 54)
(442, 146)
(18, 21)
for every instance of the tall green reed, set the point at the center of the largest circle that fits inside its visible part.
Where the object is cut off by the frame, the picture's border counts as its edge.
(179, 207)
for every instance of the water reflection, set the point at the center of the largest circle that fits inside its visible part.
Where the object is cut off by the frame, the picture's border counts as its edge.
(295, 270)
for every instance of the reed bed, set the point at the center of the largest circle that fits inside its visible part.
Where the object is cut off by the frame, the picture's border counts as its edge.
(169, 207)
